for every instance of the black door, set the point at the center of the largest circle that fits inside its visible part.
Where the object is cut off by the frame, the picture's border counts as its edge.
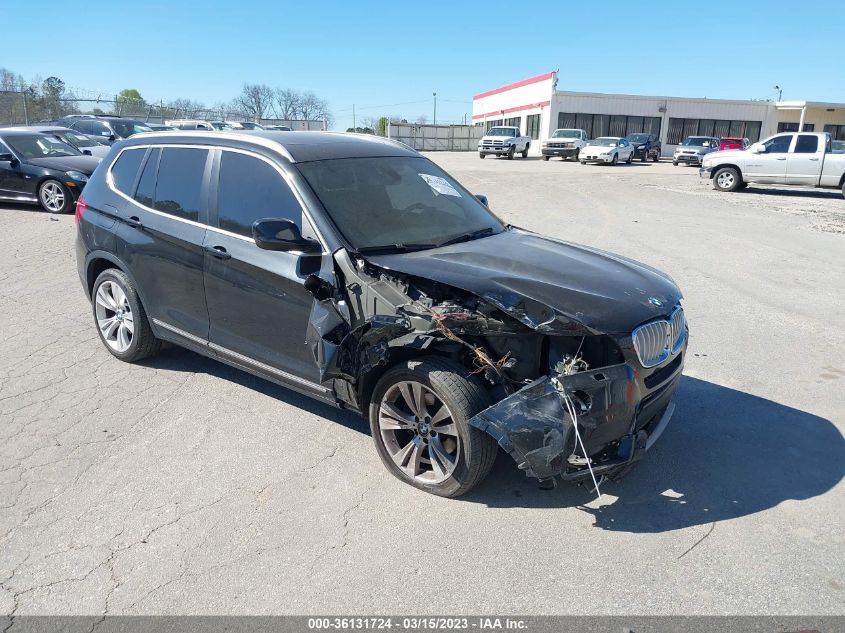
(162, 236)
(15, 182)
(257, 304)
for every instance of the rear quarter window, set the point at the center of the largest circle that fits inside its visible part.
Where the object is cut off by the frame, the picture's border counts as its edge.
(125, 169)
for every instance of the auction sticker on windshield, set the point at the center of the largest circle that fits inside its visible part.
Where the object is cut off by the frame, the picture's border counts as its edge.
(440, 185)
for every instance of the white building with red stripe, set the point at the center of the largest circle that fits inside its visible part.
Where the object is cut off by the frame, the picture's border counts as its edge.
(538, 109)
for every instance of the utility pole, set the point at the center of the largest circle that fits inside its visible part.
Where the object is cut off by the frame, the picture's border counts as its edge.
(353, 117)
(23, 94)
(435, 107)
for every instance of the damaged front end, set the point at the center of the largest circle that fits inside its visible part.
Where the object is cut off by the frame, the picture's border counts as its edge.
(570, 399)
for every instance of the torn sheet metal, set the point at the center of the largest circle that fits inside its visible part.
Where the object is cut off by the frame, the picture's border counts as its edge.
(533, 426)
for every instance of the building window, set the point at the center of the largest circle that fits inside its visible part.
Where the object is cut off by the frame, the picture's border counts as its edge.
(837, 132)
(793, 127)
(513, 122)
(679, 129)
(597, 125)
(495, 123)
(532, 125)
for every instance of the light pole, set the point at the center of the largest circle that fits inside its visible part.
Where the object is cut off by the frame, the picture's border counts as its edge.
(780, 92)
(434, 94)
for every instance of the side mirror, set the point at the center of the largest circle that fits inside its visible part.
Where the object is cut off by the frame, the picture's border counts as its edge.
(87, 152)
(112, 137)
(7, 157)
(482, 199)
(758, 148)
(281, 235)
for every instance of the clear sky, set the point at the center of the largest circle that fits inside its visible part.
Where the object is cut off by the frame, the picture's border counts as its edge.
(373, 53)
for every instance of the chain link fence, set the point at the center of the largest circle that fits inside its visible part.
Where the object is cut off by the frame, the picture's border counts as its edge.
(434, 138)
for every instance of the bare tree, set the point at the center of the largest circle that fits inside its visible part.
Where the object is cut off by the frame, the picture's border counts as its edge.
(422, 119)
(313, 108)
(286, 103)
(255, 100)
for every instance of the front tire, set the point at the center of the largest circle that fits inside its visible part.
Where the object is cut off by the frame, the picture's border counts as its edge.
(54, 197)
(546, 157)
(481, 154)
(511, 152)
(726, 179)
(525, 151)
(656, 157)
(615, 159)
(419, 416)
(675, 163)
(120, 318)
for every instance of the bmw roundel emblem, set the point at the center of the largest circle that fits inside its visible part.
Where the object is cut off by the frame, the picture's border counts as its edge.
(655, 301)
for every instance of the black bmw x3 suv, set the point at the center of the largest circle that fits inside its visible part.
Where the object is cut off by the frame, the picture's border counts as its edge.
(356, 271)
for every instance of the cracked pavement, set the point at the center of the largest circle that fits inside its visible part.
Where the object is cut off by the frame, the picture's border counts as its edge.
(182, 486)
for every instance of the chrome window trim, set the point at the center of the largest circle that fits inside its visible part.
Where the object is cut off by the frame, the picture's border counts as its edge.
(288, 180)
(244, 359)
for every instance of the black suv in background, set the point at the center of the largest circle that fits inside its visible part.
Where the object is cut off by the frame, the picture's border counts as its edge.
(354, 270)
(645, 146)
(107, 129)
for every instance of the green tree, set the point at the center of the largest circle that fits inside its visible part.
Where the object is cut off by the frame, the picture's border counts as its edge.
(129, 100)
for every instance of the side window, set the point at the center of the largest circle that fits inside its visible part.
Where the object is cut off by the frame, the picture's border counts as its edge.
(778, 144)
(100, 129)
(125, 169)
(250, 189)
(83, 126)
(145, 193)
(807, 144)
(179, 184)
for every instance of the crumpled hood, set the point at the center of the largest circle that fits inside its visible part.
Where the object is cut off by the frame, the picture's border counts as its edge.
(84, 164)
(549, 285)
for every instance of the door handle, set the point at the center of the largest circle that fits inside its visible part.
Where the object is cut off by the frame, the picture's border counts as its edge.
(217, 251)
(814, 159)
(783, 158)
(135, 222)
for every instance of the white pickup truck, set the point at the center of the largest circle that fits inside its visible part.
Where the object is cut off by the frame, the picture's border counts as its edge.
(797, 158)
(504, 141)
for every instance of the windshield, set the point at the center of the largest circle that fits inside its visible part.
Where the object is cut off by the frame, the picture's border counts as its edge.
(604, 140)
(126, 129)
(567, 134)
(40, 146)
(637, 138)
(404, 201)
(219, 125)
(78, 140)
(502, 131)
(698, 141)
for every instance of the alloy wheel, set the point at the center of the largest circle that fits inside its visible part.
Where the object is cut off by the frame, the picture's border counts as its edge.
(419, 433)
(114, 316)
(725, 180)
(52, 196)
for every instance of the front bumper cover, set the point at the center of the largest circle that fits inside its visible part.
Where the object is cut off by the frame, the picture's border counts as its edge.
(559, 151)
(617, 420)
(705, 172)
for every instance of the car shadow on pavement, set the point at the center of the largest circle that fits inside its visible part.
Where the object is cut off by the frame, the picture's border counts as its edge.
(179, 359)
(725, 454)
(828, 194)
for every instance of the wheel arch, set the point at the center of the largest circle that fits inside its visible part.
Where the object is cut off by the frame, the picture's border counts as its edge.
(97, 262)
(723, 166)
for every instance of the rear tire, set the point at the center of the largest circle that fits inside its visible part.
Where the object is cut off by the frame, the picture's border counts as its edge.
(120, 318)
(726, 179)
(583, 162)
(675, 163)
(546, 157)
(434, 382)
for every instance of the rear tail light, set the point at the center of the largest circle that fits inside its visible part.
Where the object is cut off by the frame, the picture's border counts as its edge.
(81, 207)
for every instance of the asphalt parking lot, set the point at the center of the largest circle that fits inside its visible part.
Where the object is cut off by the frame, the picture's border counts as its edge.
(181, 486)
